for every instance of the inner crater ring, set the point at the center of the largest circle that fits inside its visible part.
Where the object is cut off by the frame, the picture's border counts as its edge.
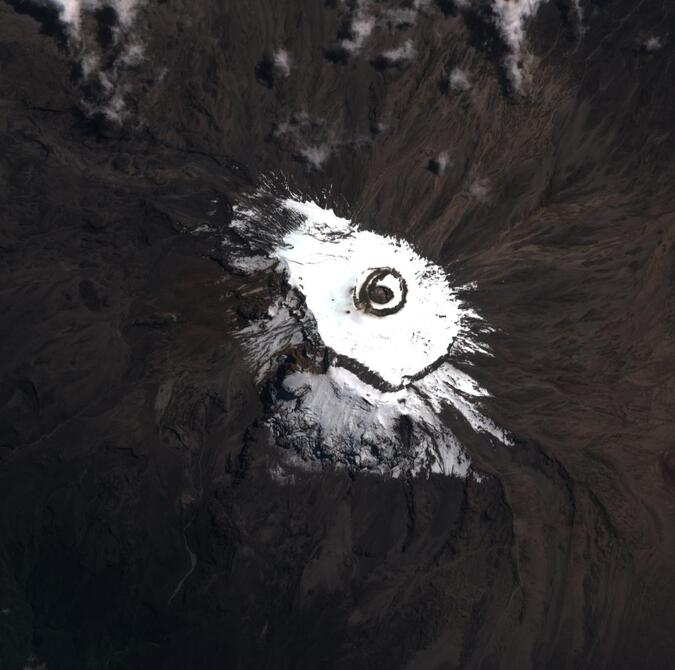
(382, 292)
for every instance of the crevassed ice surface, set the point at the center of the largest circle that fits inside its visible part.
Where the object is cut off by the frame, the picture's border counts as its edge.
(327, 258)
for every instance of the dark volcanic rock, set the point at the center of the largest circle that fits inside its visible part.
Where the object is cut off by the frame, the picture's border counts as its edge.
(145, 519)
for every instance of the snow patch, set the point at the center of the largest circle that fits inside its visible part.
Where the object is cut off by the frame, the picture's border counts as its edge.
(344, 386)
(326, 258)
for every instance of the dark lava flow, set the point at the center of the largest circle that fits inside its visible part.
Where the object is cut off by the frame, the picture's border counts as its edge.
(145, 521)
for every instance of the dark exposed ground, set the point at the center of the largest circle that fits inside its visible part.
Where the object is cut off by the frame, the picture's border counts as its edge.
(128, 434)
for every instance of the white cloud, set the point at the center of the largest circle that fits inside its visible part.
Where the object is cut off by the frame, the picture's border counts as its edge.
(367, 15)
(307, 137)
(511, 17)
(32, 663)
(653, 44)
(129, 51)
(72, 11)
(459, 80)
(115, 108)
(361, 27)
(406, 16)
(90, 63)
(579, 10)
(401, 17)
(480, 189)
(132, 55)
(442, 162)
(403, 54)
(316, 155)
(282, 62)
(126, 10)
